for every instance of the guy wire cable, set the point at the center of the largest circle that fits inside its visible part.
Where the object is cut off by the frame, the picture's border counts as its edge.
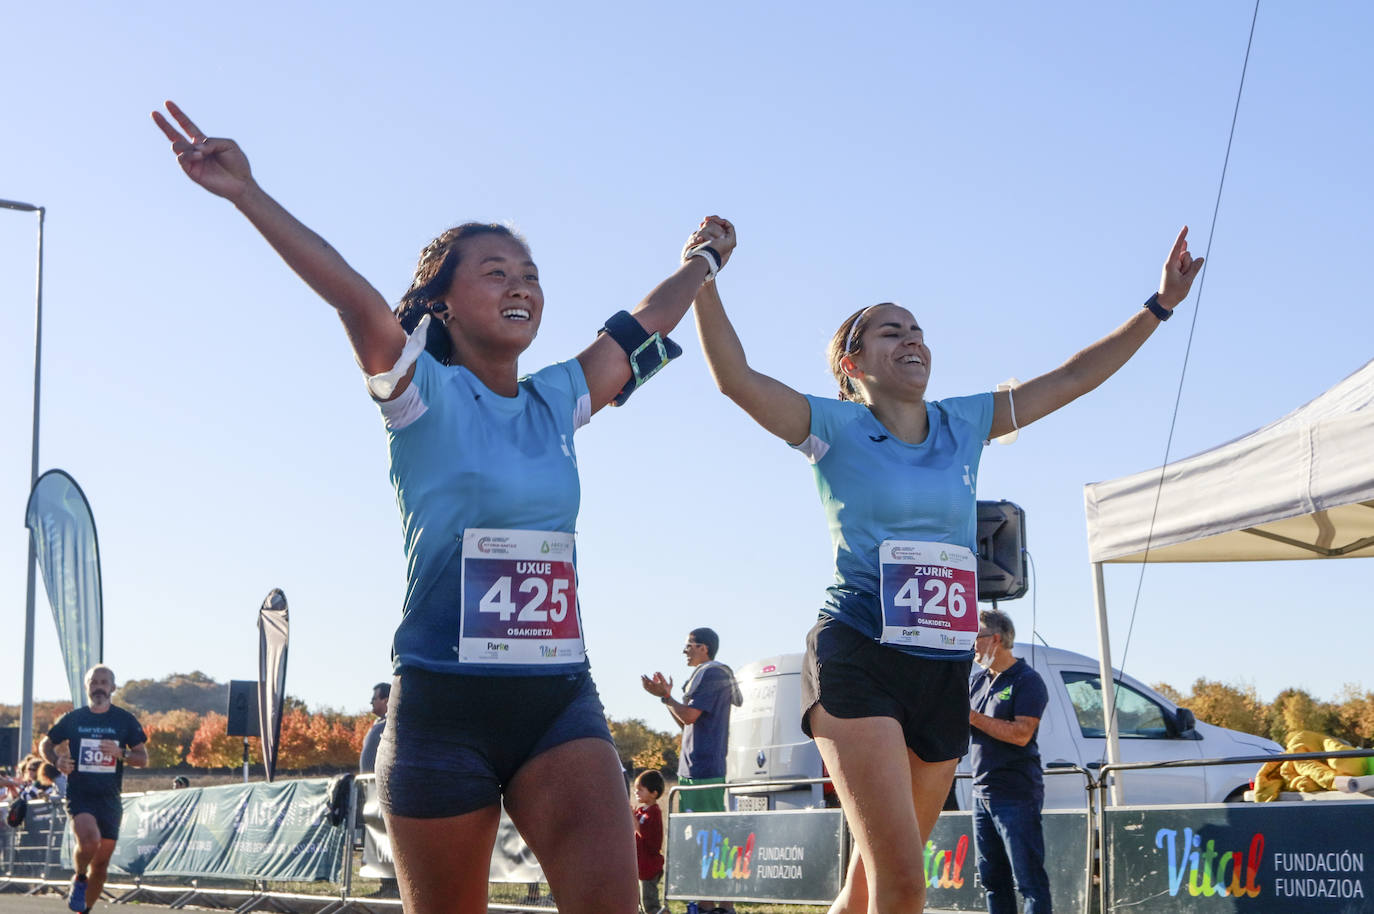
(1178, 397)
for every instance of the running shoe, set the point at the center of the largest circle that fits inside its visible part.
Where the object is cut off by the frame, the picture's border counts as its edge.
(76, 898)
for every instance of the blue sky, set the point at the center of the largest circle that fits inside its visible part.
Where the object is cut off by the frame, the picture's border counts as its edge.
(1012, 173)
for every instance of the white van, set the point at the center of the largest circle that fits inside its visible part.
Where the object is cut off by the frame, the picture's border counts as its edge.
(767, 744)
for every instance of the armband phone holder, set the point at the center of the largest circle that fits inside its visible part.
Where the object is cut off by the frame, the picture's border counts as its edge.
(648, 352)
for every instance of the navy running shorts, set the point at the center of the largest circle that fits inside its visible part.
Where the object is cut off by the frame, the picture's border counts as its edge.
(107, 810)
(453, 743)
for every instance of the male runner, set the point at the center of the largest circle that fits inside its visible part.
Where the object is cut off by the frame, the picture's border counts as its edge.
(100, 740)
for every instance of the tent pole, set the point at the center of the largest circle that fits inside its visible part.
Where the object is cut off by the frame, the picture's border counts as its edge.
(1104, 655)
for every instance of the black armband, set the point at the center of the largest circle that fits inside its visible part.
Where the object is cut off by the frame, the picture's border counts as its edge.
(648, 352)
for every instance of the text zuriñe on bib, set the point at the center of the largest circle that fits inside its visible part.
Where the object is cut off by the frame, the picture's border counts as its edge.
(929, 593)
(519, 598)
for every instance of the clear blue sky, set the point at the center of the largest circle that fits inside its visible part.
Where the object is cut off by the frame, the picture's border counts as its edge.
(1014, 173)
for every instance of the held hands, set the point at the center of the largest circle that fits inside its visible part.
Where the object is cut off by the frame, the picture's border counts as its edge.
(1180, 269)
(217, 165)
(716, 232)
(657, 686)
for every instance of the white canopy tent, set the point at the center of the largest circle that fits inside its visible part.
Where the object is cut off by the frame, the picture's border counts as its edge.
(1301, 487)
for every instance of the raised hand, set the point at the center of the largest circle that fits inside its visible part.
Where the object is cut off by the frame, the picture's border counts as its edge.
(218, 165)
(716, 232)
(1180, 269)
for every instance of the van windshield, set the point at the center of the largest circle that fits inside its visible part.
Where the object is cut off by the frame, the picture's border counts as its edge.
(1137, 716)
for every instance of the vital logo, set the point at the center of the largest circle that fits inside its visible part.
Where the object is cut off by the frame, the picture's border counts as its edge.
(970, 479)
(945, 869)
(877, 439)
(1207, 870)
(722, 860)
(1004, 694)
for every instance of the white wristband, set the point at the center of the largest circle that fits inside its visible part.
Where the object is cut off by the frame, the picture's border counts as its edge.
(706, 253)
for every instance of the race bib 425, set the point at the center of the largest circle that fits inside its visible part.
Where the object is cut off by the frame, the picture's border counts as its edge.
(519, 598)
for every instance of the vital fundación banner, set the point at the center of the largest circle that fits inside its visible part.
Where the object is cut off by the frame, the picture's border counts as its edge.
(274, 631)
(792, 856)
(1261, 858)
(251, 831)
(63, 530)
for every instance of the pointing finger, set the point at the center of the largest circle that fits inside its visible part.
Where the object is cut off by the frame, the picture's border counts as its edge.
(1180, 243)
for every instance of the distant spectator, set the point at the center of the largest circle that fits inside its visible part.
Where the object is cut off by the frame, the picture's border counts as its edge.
(704, 716)
(180, 782)
(367, 761)
(649, 839)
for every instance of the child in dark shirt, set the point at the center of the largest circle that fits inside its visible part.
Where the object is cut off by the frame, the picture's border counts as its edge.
(649, 839)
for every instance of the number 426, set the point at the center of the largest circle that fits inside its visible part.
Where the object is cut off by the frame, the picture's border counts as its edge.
(939, 598)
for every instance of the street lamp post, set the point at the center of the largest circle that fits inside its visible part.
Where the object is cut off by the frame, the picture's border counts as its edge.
(26, 712)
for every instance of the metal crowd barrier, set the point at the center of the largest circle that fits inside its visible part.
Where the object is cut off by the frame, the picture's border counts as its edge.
(32, 853)
(1252, 857)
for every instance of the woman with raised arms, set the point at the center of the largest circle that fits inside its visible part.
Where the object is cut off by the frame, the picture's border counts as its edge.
(492, 699)
(885, 680)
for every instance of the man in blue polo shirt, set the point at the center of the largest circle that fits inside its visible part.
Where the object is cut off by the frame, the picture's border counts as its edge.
(1007, 699)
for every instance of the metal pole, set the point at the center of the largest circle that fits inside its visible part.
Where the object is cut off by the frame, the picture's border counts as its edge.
(1104, 654)
(26, 710)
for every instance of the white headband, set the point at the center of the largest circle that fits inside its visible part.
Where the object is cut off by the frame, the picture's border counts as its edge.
(849, 342)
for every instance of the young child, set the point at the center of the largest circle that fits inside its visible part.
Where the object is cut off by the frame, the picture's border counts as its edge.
(649, 838)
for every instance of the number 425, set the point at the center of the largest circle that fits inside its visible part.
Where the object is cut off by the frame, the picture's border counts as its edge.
(498, 600)
(937, 593)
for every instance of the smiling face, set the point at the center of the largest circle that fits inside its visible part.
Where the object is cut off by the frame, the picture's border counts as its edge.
(695, 652)
(892, 357)
(495, 300)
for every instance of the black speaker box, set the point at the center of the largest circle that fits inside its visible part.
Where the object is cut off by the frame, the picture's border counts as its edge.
(1002, 566)
(243, 707)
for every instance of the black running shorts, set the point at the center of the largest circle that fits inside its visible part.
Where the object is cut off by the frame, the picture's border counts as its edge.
(851, 675)
(107, 810)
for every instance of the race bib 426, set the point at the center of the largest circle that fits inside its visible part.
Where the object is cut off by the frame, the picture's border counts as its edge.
(929, 593)
(519, 598)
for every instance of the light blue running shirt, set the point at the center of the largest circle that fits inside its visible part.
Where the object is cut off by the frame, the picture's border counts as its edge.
(876, 487)
(464, 457)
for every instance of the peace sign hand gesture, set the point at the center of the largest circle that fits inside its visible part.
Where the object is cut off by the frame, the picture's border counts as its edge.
(218, 165)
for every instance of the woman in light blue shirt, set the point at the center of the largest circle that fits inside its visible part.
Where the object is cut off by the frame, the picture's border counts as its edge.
(492, 701)
(885, 682)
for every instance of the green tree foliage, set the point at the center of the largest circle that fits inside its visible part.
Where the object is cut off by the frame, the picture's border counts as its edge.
(1233, 707)
(641, 747)
(1295, 709)
(1350, 717)
(1356, 712)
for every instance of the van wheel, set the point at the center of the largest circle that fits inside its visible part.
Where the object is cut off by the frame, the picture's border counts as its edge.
(1237, 795)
